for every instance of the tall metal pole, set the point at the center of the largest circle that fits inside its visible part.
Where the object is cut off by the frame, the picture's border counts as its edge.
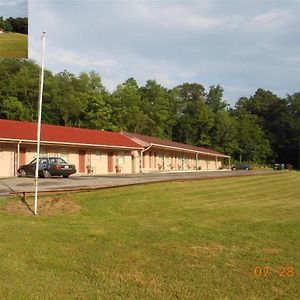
(299, 155)
(36, 179)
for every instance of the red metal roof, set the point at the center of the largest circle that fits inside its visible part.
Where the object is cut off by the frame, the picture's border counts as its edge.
(145, 140)
(52, 133)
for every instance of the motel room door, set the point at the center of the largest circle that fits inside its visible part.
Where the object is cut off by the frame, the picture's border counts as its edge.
(81, 161)
(22, 160)
(110, 159)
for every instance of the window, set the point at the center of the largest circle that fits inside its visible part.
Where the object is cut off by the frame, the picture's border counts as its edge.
(33, 161)
(150, 159)
(120, 158)
(167, 160)
(52, 160)
(43, 151)
(98, 154)
(43, 161)
(64, 154)
(60, 161)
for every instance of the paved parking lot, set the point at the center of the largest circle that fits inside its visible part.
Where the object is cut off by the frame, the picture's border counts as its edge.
(11, 185)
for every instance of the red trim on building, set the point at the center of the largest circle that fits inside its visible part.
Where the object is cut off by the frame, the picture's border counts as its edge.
(52, 133)
(153, 140)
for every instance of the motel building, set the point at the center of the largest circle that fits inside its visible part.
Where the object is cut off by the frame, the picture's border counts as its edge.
(165, 155)
(100, 152)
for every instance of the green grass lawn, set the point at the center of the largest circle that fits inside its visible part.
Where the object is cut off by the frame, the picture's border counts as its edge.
(179, 240)
(13, 45)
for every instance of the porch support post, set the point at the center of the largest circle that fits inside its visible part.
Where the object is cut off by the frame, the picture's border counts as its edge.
(18, 154)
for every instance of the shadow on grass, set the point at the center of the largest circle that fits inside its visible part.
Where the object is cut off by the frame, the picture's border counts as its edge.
(23, 200)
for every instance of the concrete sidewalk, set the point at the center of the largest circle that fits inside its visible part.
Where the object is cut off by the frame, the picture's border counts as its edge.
(15, 184)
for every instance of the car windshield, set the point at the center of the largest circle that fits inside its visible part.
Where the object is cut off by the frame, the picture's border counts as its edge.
(53, 160)
(56, 160)
(60, 161)
(41, 161)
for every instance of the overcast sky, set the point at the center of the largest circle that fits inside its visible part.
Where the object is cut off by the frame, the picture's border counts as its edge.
(241, 45)
(13, 8)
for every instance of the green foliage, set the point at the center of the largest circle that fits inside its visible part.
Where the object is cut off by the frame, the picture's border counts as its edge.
(214, 98)
(19, 25)
(252, 143)
(13, 109)
(195, 119)
(275, 119)
(156, 105)
(125, 102)
(224, 133)
(263, 128)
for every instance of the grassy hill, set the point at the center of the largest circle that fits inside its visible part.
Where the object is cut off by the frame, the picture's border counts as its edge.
(13, 45)
(233, 238)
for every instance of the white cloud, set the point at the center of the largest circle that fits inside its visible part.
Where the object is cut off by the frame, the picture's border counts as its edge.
(273, 19)
(240, 45)
(11, 3)
(13, 8)
(82, 60)
(178, 16)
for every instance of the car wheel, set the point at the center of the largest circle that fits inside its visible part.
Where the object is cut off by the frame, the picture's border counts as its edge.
(46, 174)
(233, 169)
(65, 176)
(22, 173)
(247, 169)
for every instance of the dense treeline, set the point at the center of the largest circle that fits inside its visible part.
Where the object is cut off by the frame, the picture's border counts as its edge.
(19, 25)
(263, 128)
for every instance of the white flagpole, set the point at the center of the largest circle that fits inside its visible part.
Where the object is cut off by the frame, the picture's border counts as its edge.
(36, 179)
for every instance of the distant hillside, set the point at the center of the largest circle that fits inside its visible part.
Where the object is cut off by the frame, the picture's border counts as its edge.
(13, 45)
(18, 25)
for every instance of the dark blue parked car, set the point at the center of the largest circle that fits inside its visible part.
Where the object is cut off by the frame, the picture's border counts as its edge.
(48, 166)
(241, 166)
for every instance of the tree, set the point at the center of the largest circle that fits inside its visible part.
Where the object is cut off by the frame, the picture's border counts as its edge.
(13, 109)
(253, 146)
(19, 25)
(224, 133)
(195, 119)
(98, 112)
(125, 102)
(272, 118)
(156, 105)
(293, 151)
(261, 128)
(214, 98)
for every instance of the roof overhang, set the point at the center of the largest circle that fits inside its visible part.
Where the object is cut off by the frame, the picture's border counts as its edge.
(189, 150)
(69, 144)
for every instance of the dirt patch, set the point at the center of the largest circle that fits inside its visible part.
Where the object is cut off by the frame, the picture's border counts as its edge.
(213, 249)
(47, 206)
(271, 251)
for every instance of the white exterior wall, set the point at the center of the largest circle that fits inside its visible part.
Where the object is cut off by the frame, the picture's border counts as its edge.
(170, 160)
(73, 158)
(30, 153)
(7, 160)
(202, 162)
(99, 161)
(97, 158)
(219, 163)
(211, 163)
(127, 162)
(123, 161)
(135, 156)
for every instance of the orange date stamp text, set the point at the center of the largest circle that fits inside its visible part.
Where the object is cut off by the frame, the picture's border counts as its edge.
(264, 271)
